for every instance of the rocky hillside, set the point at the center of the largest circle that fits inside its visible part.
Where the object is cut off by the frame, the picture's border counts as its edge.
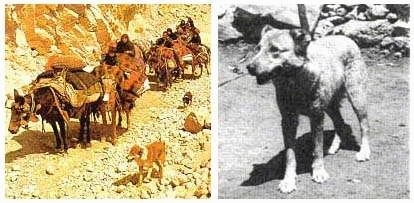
(383, 26)
(34, 32)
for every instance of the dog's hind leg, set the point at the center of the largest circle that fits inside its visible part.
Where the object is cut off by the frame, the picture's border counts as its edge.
(319, 173)
(356, 90)
(357, 100)
(342, 130)
(289, 126)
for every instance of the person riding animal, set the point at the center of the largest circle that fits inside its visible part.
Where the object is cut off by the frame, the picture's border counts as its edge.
(110, 58)
(165, 40)
(125, 46)
(181, 28)
(171, 34)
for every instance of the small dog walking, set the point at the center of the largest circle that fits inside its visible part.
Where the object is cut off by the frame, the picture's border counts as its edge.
(146, 156)
(333, 69)
(187, 99)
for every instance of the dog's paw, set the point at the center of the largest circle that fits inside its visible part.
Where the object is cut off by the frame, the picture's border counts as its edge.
(319, 175)
(363, 154)
(336, 142)
(287, 185)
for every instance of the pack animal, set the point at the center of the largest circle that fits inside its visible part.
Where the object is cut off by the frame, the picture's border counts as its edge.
(311, 84)
(111, 79)
(51, 108)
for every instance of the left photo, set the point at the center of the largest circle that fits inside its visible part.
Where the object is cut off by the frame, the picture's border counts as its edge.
(107, 101)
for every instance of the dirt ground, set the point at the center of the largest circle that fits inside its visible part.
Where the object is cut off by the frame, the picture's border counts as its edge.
(251, 144)
(34, 170)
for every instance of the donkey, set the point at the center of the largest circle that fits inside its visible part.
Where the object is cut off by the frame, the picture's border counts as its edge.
(46, 103)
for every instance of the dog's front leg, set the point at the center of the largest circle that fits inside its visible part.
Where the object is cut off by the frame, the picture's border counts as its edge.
(289, 127)
(319, 173)
(140, 175)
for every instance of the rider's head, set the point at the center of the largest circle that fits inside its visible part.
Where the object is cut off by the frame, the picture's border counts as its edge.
(124, 38)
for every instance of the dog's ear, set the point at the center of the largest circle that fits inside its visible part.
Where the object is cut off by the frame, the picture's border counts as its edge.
(302, 39)
(16, 94)
(266, 29)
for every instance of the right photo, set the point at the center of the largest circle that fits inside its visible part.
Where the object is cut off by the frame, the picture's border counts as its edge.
(313, 101)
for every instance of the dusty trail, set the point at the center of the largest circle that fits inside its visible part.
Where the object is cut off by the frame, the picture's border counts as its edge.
(35, 171)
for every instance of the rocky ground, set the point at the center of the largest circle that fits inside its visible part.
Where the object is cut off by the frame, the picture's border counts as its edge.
(34, 170)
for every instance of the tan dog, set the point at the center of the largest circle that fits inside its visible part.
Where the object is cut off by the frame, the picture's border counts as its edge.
(146, 157)
(311, 82)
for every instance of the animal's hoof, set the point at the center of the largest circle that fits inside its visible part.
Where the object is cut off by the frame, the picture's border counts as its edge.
(320, 175)
(88, 145)
(146, 180)
(363, 154)
(103, 139)
(287, 185)
(113, 142)
(336, 142)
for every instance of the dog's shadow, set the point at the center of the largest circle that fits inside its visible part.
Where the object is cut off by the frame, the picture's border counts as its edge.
(133, 178)
(275, 167)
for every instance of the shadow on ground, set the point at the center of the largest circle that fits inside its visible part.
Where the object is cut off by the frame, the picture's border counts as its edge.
(35, 142)
(275, 167)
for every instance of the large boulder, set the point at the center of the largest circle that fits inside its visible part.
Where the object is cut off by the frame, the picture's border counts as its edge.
(365, 33)
(197, 120)
(247, 20)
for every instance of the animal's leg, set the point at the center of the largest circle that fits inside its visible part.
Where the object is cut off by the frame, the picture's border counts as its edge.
(358, 99)
(88, 127)
(104, 121)
(289, 126)
(140, 175)
(127, 112)
(57, 137)
(82, 137)
(193, 68)
(319, 173)
(113, 126)
(341, 128)
(160, 169)
(63, 133)
(147, 178)
(206, 66)
(119, 118)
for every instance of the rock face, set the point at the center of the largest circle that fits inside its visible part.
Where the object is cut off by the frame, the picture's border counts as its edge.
(83, 29)
(247, 20)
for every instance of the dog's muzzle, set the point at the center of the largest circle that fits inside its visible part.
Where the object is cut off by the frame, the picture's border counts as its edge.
(262, 78)
(252, 69)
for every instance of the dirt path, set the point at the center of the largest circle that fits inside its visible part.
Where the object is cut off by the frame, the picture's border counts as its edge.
(251, 144)
(33, 170)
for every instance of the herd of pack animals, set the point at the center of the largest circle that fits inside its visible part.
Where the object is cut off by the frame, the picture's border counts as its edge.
(70, 89)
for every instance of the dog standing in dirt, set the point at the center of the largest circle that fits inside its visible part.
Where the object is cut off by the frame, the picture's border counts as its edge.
(311, 83)
(146, 156)
(187, 99)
